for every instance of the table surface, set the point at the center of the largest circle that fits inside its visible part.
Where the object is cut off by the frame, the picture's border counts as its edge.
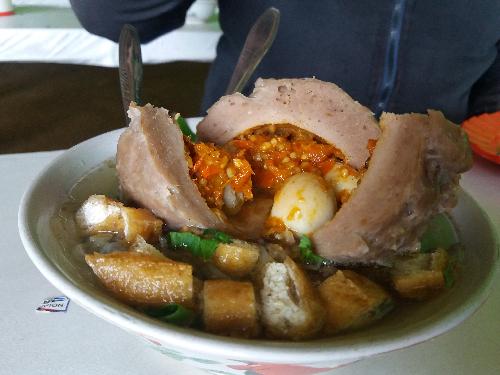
(77, 342)
(42, 32)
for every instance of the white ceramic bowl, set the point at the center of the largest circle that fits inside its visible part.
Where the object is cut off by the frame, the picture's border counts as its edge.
(67, 271)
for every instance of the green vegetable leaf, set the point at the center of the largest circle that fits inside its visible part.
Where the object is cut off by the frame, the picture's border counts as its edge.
(172, 313)
(306, 252)
(218, 235)
(185, 240)
(201, 247)
(207, 248)
(382, 309)
(449, 275)
(440, 233)
(185, 129)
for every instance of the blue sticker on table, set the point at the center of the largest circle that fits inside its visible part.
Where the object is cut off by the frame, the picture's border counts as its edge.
(54, 304)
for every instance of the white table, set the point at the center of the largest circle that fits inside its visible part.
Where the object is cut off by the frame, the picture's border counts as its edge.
(77, 342)
(48, 33)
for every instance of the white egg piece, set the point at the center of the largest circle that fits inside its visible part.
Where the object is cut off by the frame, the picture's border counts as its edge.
(341, 180)
(304, 203)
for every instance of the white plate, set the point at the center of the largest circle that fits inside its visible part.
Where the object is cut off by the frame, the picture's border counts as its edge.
(66, 271)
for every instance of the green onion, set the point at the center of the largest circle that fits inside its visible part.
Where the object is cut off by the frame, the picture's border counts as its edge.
(172, 313)
(201, 247)
(306, 252)
(185, 129)
(218, 235)
(382, 309)
(449, 275)
(440, 233)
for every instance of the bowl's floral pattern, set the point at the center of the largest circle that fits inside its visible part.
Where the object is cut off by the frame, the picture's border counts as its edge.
(231, 367)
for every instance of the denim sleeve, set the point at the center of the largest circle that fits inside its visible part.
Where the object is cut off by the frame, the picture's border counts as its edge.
(152, 18)
(485, 94)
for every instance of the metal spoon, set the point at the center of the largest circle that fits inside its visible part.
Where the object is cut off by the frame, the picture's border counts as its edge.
(259, 40)
(130, 67)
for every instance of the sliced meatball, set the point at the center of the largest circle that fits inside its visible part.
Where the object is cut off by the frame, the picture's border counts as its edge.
(320, 107)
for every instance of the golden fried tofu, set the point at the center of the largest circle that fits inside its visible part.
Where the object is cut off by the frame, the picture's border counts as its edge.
(352, 301)
(236, 259)
(230, 308)
(141, 279)
(101, 214)
(141, 222)
(420, 276)
(291, 306)
(141, 246)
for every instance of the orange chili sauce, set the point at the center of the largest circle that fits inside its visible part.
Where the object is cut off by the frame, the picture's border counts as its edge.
(277, 152)
(372, 143)
(263, 157)
(213, 168)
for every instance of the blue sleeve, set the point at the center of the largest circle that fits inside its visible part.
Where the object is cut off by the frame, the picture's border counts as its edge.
(485, 94)
(152, 18)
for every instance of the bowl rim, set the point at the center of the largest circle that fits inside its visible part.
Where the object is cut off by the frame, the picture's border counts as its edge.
(320, 350)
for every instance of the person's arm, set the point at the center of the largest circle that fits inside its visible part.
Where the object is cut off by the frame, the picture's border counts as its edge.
(485, 94)
(152, 18)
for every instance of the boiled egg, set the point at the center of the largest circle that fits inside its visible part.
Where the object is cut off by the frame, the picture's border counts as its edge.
(304, 203)
(341, 181)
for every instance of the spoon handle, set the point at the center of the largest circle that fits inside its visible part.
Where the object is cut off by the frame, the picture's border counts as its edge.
(130, 67)
(259, 40)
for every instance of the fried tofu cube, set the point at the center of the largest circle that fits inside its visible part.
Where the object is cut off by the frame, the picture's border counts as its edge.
(142, 279)
(230, 308)
(420, 276)
(141, 246)
(291, 306)
(352, 301)
(236, 259)
(141, 222)
(101, 214)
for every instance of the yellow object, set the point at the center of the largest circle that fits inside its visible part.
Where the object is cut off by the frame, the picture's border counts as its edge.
(236, 259)
(230, 308)
(352, 300)
(291, 306)
(100, 214)
(143, 279)
(420, 276)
